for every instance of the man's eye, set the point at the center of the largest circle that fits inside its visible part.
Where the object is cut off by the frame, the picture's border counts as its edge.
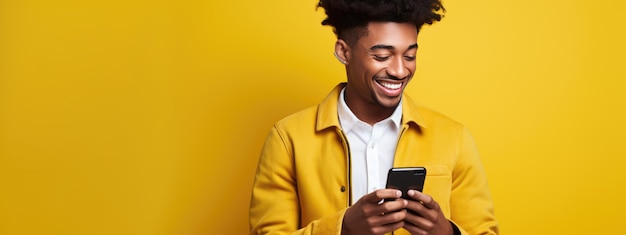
(409, 58)
(381, 58)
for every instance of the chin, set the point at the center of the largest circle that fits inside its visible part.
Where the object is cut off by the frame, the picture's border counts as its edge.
(389, 104)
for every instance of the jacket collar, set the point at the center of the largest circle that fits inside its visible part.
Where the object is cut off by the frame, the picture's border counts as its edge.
(327, 111)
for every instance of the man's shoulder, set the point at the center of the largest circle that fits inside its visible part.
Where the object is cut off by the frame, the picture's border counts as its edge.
(435, 124)
(317, 117)
(428, 117)
(304, 117)
(433, 117)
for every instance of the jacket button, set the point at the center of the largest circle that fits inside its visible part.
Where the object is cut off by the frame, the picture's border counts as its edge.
(343, 188)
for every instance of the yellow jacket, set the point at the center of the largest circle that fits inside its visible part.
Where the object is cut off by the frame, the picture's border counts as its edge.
(302, 184)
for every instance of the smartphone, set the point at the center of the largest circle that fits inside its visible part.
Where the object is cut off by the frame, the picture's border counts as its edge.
(405, 178)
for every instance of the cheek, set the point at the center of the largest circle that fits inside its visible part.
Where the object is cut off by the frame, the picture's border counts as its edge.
(366, 70)
(411, 68)
(375, 68)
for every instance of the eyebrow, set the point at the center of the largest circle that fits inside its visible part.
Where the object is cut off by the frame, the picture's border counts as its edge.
(389, 47)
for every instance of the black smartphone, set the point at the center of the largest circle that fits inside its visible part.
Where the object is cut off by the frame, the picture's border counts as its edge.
(405, 178)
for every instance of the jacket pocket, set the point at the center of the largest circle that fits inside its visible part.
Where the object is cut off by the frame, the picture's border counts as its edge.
(438, 185)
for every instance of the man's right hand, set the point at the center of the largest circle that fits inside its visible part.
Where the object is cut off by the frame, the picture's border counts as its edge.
(369, 216)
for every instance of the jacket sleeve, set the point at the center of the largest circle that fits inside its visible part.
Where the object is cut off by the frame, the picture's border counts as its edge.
(471, 203)
(274, 205)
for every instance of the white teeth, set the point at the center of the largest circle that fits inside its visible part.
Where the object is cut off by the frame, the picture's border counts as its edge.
(392, 86)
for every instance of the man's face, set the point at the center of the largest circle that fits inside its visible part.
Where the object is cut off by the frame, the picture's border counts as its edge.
(380, 65)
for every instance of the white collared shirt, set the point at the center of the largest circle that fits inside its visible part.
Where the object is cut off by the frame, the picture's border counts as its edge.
(372, 148)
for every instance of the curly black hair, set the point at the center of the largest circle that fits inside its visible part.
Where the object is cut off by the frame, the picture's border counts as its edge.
(347, 15)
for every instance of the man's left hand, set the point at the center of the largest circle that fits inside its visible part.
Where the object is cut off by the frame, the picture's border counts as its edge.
(425, 216)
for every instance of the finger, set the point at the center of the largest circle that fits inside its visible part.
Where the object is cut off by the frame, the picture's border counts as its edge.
(369, 208)
(384, 208)
(424, 199)
(421, 210)
(378, 223)
(387, 228)
(413, 229)
(419, 221)
(378, 195)
(390, 218)
(392, 206)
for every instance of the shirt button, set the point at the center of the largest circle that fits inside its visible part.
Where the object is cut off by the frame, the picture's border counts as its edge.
(343, 188)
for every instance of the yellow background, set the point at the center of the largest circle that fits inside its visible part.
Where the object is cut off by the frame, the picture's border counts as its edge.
(147, 117)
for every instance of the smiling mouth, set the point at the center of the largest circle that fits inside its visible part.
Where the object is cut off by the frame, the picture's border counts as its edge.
(389, 85)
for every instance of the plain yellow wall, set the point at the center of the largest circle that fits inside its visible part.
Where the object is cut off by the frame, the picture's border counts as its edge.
(147, 117)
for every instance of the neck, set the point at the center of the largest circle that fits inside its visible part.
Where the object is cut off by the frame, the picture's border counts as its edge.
(368, 112)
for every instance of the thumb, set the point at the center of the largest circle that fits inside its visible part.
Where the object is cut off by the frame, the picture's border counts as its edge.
(376, 196)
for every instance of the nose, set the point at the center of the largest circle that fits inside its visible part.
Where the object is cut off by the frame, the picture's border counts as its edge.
(399, 68)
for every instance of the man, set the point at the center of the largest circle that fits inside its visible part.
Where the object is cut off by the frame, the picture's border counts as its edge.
(323, 170)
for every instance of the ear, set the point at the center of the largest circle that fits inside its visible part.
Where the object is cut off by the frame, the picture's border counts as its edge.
(342, 51)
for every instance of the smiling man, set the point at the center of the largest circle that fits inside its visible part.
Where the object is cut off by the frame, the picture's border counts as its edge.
(323, 170)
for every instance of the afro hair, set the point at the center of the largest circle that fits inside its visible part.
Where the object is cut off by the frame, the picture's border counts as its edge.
(346, 15)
